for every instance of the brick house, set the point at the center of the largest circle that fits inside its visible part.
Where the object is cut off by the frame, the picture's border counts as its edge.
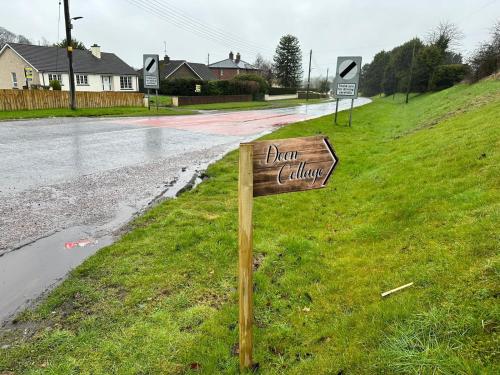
(231, 67)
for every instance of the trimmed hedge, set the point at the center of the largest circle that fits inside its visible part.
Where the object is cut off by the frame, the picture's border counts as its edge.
(187, 87)
(447, 75)
(282, 91)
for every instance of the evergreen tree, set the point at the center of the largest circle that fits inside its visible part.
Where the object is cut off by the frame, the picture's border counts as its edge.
(74, 43)
(288, 61)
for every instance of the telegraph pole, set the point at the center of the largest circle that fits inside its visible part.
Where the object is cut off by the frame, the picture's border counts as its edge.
(411, 70)
(327, 86)
(69, 49)
(309, 75)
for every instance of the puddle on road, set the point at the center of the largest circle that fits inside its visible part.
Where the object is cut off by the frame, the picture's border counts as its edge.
(28, 272)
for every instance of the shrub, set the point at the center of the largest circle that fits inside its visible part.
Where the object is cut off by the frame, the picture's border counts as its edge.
(263, 86)
(55, 84)
(181, 87)
(186, 87)
(282, 91)
(447, 75)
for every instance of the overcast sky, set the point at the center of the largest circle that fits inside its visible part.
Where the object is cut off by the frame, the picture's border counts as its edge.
(192, 29)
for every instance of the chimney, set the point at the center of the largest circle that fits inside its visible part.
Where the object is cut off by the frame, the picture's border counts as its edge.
(238, 58)
(166, 59)
(96, 50)
(231, 56)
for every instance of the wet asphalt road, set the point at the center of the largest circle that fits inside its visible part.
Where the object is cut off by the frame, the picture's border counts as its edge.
(65, 179)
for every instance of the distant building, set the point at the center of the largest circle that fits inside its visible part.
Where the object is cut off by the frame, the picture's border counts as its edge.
(231, 67)
(173, 69)
(94, 70)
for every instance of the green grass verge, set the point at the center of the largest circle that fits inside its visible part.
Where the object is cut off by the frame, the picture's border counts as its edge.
(165, 109)
(91, 112)
(415, 198)
(254, 105)
(163, 100)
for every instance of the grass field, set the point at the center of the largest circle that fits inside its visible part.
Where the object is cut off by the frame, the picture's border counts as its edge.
(165, 109)
(254, 105)
(92, 112)
(163, 100)
(415, 198)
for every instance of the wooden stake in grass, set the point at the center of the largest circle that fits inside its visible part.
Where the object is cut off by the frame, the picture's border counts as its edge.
(245, 239)
(396, 289)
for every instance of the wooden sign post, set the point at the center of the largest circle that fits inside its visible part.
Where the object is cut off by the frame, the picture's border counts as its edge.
(265, 168)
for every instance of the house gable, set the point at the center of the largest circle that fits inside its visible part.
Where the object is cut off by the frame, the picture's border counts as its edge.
(183, 71)
(12, 62)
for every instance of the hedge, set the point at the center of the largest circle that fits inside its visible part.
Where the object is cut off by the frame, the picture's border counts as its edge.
(447, 75)
(187, 87)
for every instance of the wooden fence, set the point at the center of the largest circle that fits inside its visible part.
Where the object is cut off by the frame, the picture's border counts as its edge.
(14, 100)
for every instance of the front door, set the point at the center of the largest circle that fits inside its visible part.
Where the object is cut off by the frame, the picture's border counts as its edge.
(106, 83)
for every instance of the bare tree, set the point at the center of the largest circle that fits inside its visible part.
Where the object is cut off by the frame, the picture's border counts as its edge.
(446, 36)
(266, 68)
(7, 36)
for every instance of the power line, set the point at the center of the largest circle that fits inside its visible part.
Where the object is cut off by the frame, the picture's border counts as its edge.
(191, 26)
(196, 22)
(153, 10)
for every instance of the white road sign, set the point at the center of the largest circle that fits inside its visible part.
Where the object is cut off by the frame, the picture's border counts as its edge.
(347, 77)
(151, 72)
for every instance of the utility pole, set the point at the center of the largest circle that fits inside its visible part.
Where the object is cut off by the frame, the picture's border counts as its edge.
(208, 59)
(411, 70)
(309, 75)
(327, 86)
(69, 49)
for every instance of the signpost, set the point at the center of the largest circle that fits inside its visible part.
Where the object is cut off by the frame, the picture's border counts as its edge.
(347, 81)
(151, 74)
(265, 168)
(28, 75)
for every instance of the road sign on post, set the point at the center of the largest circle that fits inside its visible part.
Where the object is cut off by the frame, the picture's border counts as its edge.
(265, 168)
(347, 77)
(151, 72)
(346, 80)
(28, 73)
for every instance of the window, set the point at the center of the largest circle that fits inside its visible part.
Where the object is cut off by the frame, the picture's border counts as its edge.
(55, 77)
(82, 80)
(222, 72)
(125, 83)
(14, 79)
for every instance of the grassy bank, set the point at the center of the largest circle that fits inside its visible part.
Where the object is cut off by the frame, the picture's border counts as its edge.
(92, 112)
(414, 199)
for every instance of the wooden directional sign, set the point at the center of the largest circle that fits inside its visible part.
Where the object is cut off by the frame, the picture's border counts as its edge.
(287, 165)
(272, 167)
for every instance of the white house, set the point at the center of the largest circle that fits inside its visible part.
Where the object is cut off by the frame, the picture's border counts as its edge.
(94, 70)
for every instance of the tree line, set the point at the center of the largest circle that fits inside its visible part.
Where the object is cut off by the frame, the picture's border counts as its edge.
(430, 65)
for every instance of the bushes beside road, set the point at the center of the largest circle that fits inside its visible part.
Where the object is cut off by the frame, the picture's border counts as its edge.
(245, 84)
